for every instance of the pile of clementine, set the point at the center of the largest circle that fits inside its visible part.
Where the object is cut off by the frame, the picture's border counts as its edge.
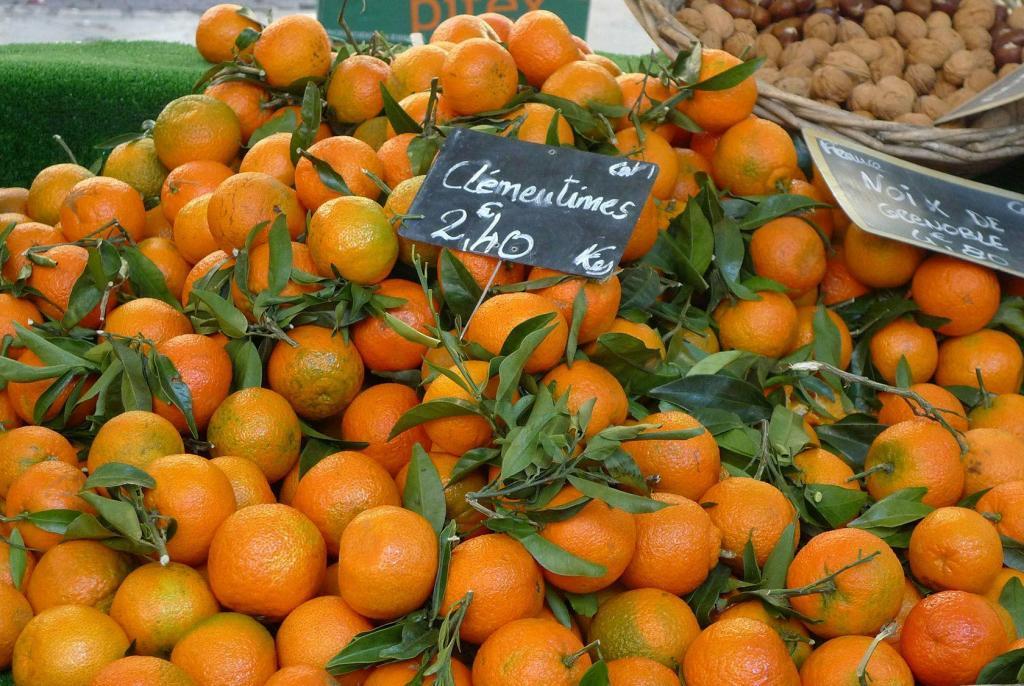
(250, 435)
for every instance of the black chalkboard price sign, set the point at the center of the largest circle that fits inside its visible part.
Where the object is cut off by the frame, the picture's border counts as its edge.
(540, 205)
(889, 197)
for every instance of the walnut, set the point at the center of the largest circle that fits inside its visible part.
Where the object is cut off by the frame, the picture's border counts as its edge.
(1006, 69)
(797, 70)
(711, 39)
(798, 53)
(863, 96)
(865, 48)
(979, 79)
(692, 19)
(1016, 18)
(745, 26)
(928, 51)
(895, 97)
(768, 47)
(848, 30)
(959, 97)
(942, 87)
(931, 105)
(699, 4)
(865, 113)
(831, 83)
(959, 66)
(981, 13)
(768, 75)
(939, 20)
(984, 59)
(915, 118)
(821, 26)
(976, 38)
(908, 27)
(887, 66)
(739, 44)
(718, 20)
(819, 47)
(854, 67)
(797, 85)
(831, 103)
(879, 21)
(921, 77)
(951, 40)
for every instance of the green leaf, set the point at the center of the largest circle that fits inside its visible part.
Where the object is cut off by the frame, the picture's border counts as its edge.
(147, 280)
(49, 353)
(579, 310)
(424, 492)
(775, 206)
(85, 297)
(365, 649)
(421, 153)
(705, 597)
(114, 474)
(305, 133)
(721, 392)
(17, 558)
(280, 244)
(904, 378)
(773, 576)
(751, 572)
(446, 542)
(558, 606)
(583, 604)
(135, 392)
(119, 514)
(408, 333)
(248, 367)
(230, 319)
(836, 504)
(827, 345)
(902, 507)
(1012, 600)
(730, 77)
(286, 123)
(729, 254)
(716, 362)
(171, 388)
(461, 291)
(551, 137)
(510, 370)
(1003, 669)
(597, 675)
(851, 436)
(51, 521)
(52, 393)
(558, 560)
(312, 453)
(400, 120)
(435, 409)
(86, 526)
(628, 502)
(327, 174)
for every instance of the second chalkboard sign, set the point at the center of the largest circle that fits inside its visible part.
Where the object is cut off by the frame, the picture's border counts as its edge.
(899, 200)
(540, 205)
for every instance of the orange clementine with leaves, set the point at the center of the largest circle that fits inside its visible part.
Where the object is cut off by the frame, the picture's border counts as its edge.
(792, 632)
(541, 43)
(505, 582)
(205, 368)
(413, 70)
(739, 651)
(954, 548)
(152, 319)
(339, 487)
(372, 415)
(965, 293)
(142, 670)
(718, 110)
(219, 28)
(993, 355)
(77, 573)
(904, 338)
(478, 75)
(266, 560)
(319, 375)
(188, 182)
(165, 257)
(157, 605)
(353, 237)
(766, 326)
(499, 315)
(749, 511)
(227, 648)
(49, 188)
(535, 122)
(19, 240)
(316, 631)
(196, 127)
(271, 156)
(1004, 411)
(65, 645)
(246, 200)
(22, 447)
(354, 92)
(753, 157)
(459, 433)
(260, 425)
(879, 262)
(838, 662)
(291, 48)
(789, 250)
(645, 622)
(135, 438)
(686, 467)
(350, 158)
(248, 100)
(102, 207)
(381, 347)
(586, 382)
(916, 453)
(197, 495)
(896, 409)
(530, 652)
(48, 485)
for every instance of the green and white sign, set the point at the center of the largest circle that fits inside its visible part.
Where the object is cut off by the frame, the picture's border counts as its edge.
(398, 19)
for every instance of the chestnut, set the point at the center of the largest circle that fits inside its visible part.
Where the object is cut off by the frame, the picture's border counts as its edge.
(740, 9)
(761, 17)
(1006, 53)
(782, 9)
(788, 30)
(921, 8)
(948, 6)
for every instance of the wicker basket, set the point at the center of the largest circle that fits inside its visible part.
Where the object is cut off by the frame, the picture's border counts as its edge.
(963, 151)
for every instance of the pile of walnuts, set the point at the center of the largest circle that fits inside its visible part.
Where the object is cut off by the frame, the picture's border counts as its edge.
(908, 61)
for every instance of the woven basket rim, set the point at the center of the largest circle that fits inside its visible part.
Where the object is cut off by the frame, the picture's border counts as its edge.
(964, 149)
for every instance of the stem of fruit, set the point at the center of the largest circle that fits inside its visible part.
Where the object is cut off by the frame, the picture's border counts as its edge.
(153, 533)
(881, 467)
(826, 584)
(67, 151)
(570, 660)
(930, 410)
(862, 667)
(483, 295)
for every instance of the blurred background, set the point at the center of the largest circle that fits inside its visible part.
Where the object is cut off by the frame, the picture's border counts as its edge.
(609, 26)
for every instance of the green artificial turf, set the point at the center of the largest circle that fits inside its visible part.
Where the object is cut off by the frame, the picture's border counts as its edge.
(87, 93)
